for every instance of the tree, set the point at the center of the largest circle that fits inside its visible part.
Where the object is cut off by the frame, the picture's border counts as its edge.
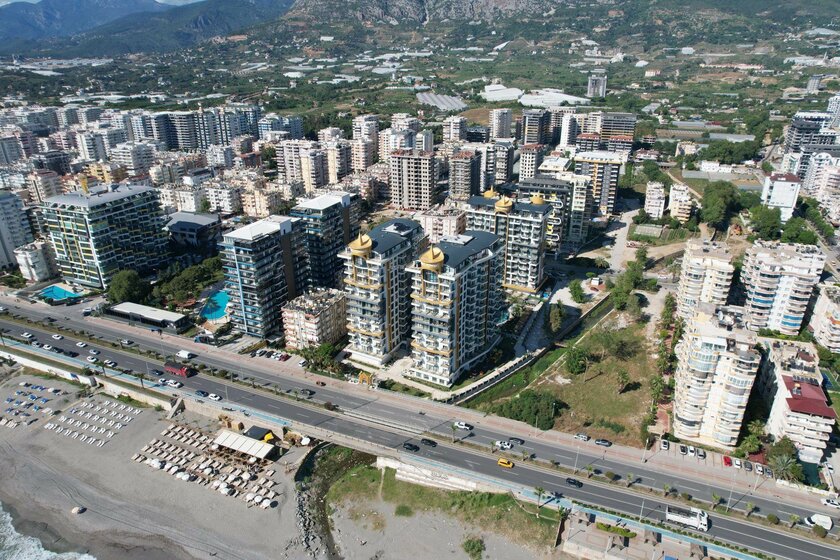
(454, 430)
(666, 488)
(786, 467)
(141, 376)
(577, 359)
(796, 230)
(126, 285)
(756, 428)
(715, 500)
(576, 290)
(793, 519)
(555, 317)
(630, 478)
(749, 507)
(623, 380)
(204, 207)
(766, 222)
(540, 491)
(633, 307)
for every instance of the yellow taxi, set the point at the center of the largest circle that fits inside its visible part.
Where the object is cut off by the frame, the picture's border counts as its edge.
(505, 463)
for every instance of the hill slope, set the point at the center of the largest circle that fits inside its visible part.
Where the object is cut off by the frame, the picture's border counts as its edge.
(178, 27)
(61, 18)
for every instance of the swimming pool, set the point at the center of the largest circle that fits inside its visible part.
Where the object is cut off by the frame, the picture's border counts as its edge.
(57, 293)
(215, 306)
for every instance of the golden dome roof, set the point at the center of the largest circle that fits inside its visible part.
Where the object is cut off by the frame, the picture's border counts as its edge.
(490, 193)
(432, 259)
(362, 245)
(504, 204)
(537, 199)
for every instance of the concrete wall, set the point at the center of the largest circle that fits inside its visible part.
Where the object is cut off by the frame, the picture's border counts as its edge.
(58, 372)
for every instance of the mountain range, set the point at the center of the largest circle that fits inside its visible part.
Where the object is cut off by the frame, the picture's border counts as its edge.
(114, 27)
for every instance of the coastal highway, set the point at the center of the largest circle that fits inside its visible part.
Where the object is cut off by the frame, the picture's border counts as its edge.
(445, 455)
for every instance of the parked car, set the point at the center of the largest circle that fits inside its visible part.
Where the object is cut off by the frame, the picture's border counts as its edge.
(759, 469)
(411, 447)
(201, 393)
(428, 442)
(701, 453)
(174, 384)
(831, 503)
(91, 359)
(737, 463)
(93, 351)
(505, 463)
(603, 442)
(307, 392)
(302, 363)
(727, 461)
(47, 347)
(574, 482)
(57, 337)
(110, 363)
(582, 437)
(683, 450)
(27, 335)
(126, 342)
(214, 397)
(691, 451)
(768, 472)
(747, 466)
(503, 445)
(81, 344)
(463, 426)
(664, 445)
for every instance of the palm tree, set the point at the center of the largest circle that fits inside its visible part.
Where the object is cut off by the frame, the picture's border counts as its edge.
(794, 519)
(589, 470)
(454, 429)
(540, 491)
(749, 508)
(623, 380)
(784, 466)
(141, 376)
(756, 428)
(715, 500)
(630, 479)
(667, 489)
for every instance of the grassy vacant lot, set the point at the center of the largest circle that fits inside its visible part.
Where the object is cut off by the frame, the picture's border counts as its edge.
(594, 401)
(499, 513)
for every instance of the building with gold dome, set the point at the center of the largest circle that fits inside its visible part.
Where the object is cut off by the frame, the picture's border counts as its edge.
(522, 228)
(378, 287)
(456, 302)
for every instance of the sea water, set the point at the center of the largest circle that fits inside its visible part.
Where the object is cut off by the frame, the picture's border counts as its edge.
(14, 546)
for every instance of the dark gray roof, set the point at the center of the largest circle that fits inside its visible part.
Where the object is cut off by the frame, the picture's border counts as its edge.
(97, 198)
(192, 218)
(457, 253)
(517, 206)
(400, 230)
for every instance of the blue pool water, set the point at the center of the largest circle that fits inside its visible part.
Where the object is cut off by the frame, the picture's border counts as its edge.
(215, 306)
(57, 293)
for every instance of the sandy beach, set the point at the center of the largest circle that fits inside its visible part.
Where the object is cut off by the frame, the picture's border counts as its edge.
(133, 511)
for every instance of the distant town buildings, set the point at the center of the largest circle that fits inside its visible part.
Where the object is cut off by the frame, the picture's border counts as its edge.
(597, 85)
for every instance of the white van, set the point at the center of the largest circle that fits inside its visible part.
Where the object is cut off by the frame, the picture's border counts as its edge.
(185, 355)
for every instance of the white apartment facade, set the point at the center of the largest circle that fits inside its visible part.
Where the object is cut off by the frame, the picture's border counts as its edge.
(705, 277)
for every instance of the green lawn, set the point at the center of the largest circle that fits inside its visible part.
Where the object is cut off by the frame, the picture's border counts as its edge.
(515, 382)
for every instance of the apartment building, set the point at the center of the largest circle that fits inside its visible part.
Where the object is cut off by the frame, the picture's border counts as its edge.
(791, 385)
(43, 184)
(568, 196)
(522, 228)
(503, 168)
(391, 140)
(530, 158)
(362, 153)
(378, 287)
(181, 198)
(329, 223)
(136, 157)
(261, 202)
(443, 220)
(455, 293)
(604, 170)
(597, 85)
(464, 175)
(366, 127)
(412, 179)
(779, 279)
(825, 319)
(265, 266)
(501, 123)
(705, 277)
(454, 128)
(96, 234)
(655, 199)
(717, 365)
(14, 228)
(223, 198)
(315, 318)
(36, 261)
(404, 121)
(681, 204)
(781, 191)
(535, 126)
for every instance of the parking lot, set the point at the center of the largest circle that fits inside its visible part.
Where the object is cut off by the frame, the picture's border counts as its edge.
(28, 403)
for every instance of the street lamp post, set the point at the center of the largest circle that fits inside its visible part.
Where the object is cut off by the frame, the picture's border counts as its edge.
(577, 454)
(731, 490)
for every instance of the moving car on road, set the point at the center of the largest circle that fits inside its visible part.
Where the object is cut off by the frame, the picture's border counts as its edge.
(428, 442)
(694, 518)
(214, 397)
(505, 463)
(831, 503)
(201, 393)
(516, 440)
(81, 344)
(57, 337)
(411, 447)
(503, 445)
(174, 384)
(574, 482)
(463, 426)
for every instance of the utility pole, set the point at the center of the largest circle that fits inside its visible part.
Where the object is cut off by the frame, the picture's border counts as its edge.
(576, 458)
